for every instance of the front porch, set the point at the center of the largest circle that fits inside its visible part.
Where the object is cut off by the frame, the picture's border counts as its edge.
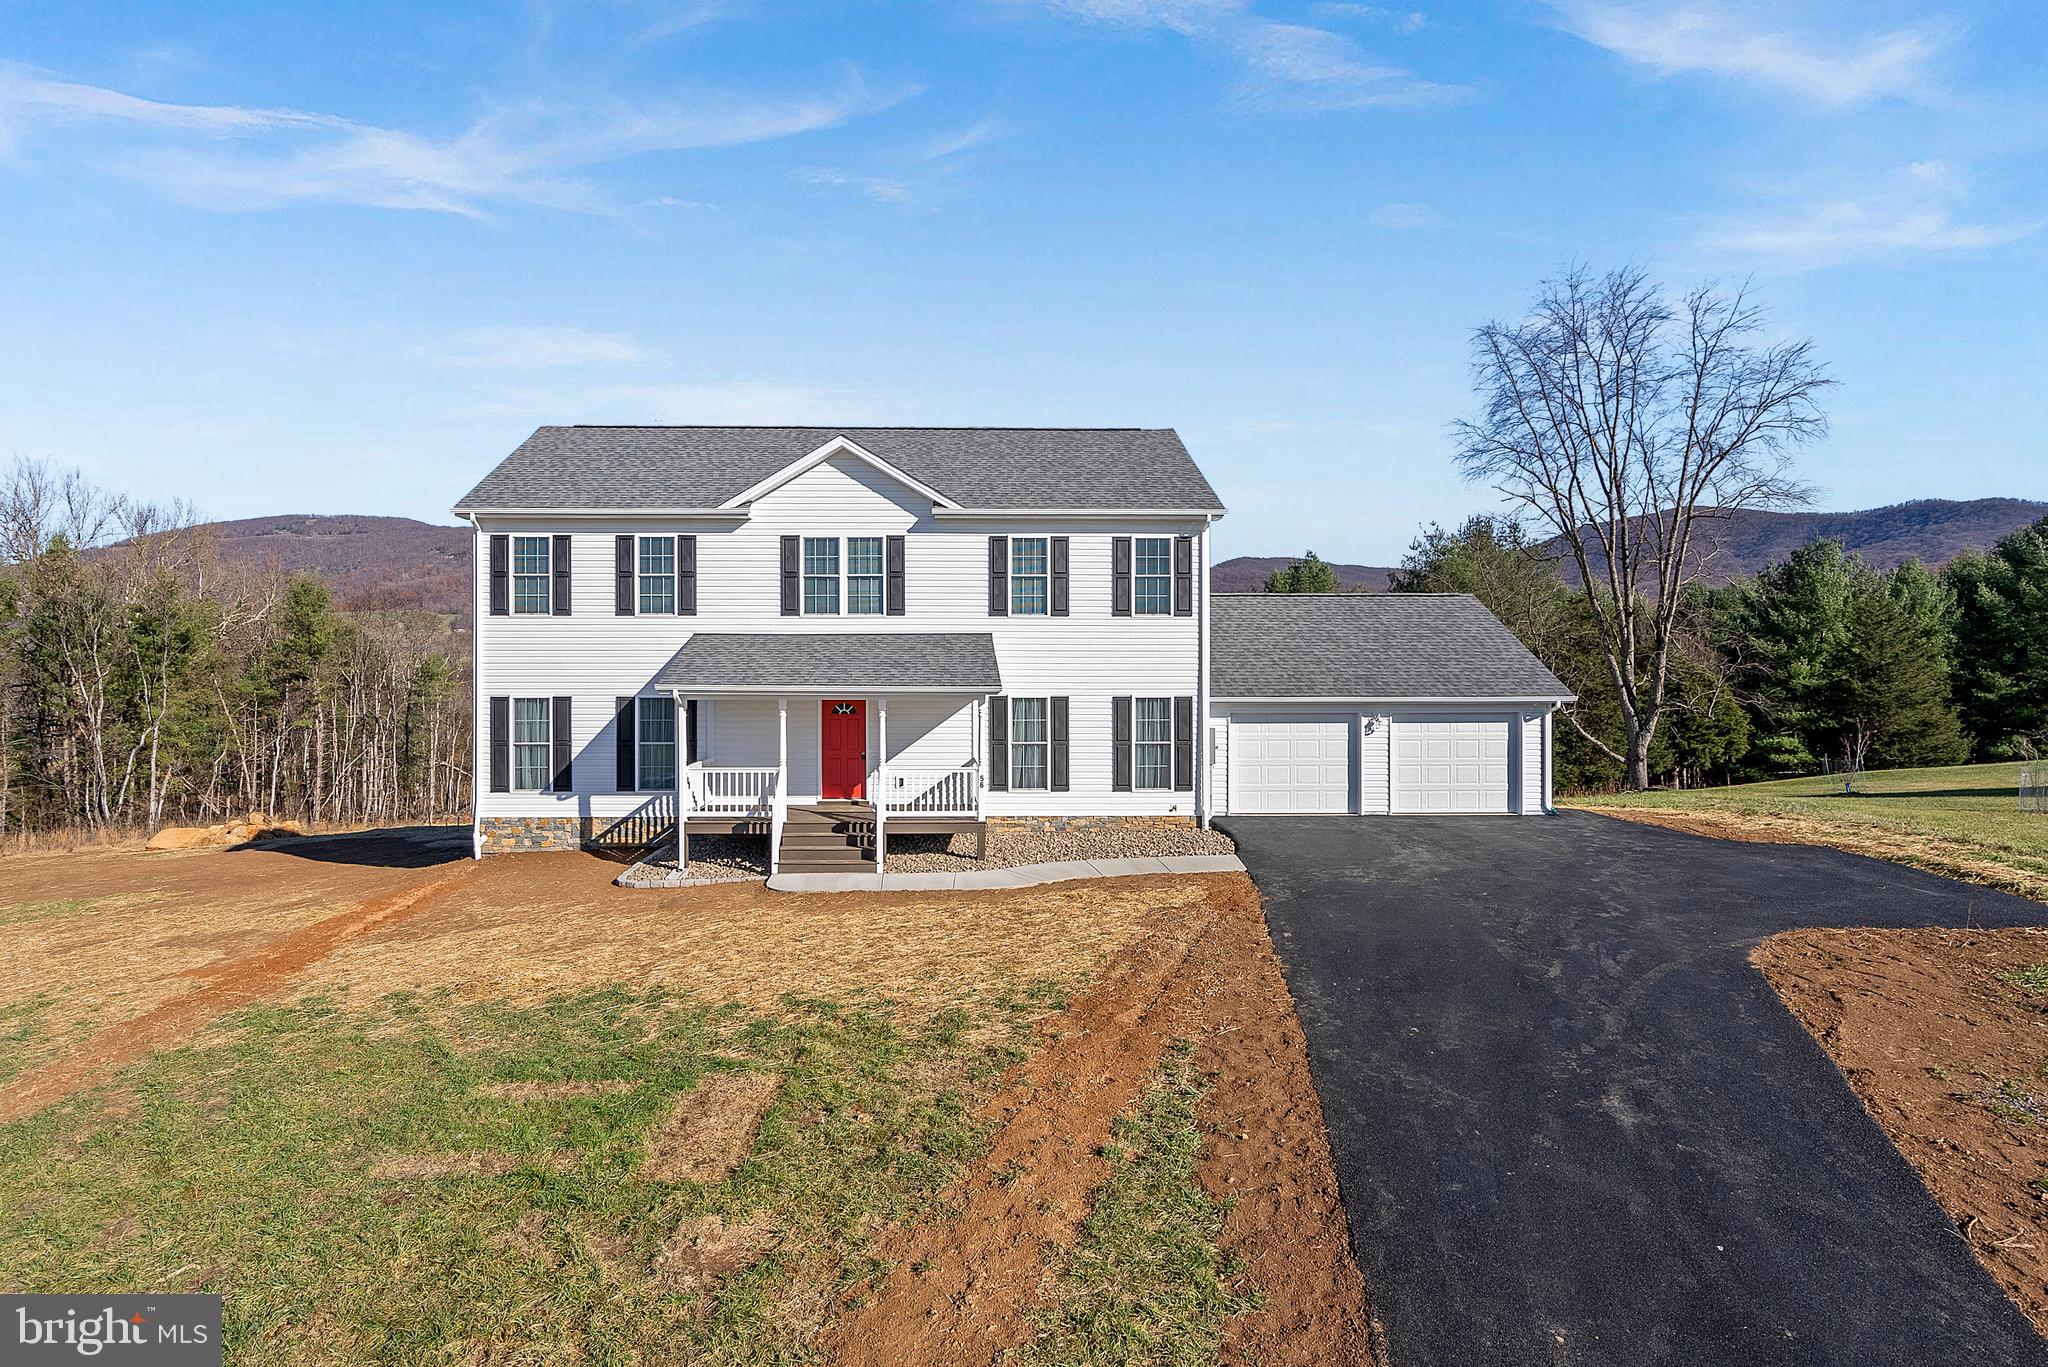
(851, 765)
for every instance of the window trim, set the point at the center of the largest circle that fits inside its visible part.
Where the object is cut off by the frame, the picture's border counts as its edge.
(1045, 744)
(641, 577)
(546, 745)
(1042, 576)
(1138, 769)
(640, 743)
(1139, 578)
(545, 576)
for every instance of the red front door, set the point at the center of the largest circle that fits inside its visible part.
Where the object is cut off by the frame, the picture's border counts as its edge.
(843, 748)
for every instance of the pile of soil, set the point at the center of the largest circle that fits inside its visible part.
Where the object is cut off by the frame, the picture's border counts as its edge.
(963, 1291)
(1951, 1058)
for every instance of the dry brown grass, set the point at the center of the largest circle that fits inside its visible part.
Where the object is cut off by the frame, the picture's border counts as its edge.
(1950, 858)
(710, 1128)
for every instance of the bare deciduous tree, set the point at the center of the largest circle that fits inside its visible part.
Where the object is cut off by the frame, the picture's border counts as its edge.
(1621, 423)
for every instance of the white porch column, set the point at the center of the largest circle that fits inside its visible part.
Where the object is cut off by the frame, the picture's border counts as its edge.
(780, 812)
(881, 796)
(682, 782)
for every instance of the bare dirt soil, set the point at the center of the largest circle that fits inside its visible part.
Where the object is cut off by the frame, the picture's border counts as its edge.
(1950, 1056)
(963, 1291)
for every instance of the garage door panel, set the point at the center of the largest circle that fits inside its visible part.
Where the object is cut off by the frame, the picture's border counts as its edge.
(1290, 764)
(1451, 764)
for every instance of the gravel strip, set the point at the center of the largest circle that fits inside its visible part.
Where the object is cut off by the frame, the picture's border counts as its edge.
(713, 859)
(1007, 849)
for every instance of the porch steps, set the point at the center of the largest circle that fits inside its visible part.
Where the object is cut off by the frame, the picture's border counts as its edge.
(830, 837)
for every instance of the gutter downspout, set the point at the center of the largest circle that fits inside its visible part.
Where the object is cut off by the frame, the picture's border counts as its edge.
(478, 610)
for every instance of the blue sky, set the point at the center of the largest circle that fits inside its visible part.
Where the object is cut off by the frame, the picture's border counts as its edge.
(343, 258)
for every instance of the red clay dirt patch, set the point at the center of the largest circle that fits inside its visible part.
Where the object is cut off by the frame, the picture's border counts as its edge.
(229, 983)
(1949, 1058)
(962, 1291)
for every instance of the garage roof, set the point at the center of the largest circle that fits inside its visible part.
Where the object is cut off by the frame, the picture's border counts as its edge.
(1378, 646)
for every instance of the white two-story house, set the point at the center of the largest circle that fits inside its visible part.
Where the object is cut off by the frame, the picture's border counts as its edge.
(828, 635)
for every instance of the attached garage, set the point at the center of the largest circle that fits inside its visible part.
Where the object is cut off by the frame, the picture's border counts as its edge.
(1291, 764)
(1376, 704)
(1451, 764)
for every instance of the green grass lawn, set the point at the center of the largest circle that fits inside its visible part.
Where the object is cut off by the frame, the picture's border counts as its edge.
(1974, 806)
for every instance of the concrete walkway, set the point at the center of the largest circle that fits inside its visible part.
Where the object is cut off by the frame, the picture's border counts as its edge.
(1021, 876)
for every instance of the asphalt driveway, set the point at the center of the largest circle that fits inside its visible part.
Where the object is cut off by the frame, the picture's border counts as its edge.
(1573, 1125)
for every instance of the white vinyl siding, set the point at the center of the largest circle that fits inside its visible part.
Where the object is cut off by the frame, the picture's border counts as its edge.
(533, 738)
(1152, 576)
(1030, 576)
(1089, 657)
(1030, 744)
(1152, 743)
(532, 574)
(657, 574)
(656, 737)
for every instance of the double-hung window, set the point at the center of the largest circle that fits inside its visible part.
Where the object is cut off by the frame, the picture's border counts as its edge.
(657, 575)
(533, 736)
(821, 575)
(656, 735)
(1152, 577)
(1030, 576)
(532, 574)
(1030, 743)
(864, 575)
(1152, 742)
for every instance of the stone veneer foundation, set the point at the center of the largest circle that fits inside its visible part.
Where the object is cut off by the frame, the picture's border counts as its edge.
(1045, 824)
(516, 834)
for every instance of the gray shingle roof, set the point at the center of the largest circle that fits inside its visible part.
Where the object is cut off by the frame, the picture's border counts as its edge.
(852, 661)
(1369, 645)
(573, 468)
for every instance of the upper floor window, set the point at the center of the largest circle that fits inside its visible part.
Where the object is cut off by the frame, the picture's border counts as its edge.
(657, 574)
(532, 574)
(532, 736)
(1030, 576)
(1152, 742)
(864, 575)
(1152, 577)
(1030, 743)
(821, 574)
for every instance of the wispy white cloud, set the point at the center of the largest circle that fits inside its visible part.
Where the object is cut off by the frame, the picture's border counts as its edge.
(1400, 20)
(539, 348)
(1404, 218)
(242, 157)
(972, 138)
(1917, 209)
(1746, 43)
(1285, 64)
(884, 188)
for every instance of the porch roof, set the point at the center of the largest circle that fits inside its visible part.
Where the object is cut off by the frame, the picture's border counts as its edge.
(834, 662)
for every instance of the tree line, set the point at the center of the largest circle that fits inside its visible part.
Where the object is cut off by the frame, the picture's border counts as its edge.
(147, 680)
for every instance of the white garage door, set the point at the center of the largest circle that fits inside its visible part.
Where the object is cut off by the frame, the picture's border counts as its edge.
(1290, 764)
(1450, 766)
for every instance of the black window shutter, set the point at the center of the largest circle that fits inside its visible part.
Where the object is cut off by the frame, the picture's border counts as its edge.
(1056, 731)
(690, 732)
(1184, 744)
(999, 576)
(1120, 745)
(1183, 576)
(686, 576)
(501, 576)
(565, 778)
(501, 745)
(1120, 576)
(895, 584)
(1059, 576)
(560, 561)
(999, 745)
(626, 752)
(623, 597)
(792, 576)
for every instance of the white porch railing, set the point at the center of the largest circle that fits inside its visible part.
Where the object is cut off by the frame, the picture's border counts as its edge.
(932, 792)
(730, 792)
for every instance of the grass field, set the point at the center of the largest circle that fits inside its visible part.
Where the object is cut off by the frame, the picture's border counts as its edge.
(1963, 819)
